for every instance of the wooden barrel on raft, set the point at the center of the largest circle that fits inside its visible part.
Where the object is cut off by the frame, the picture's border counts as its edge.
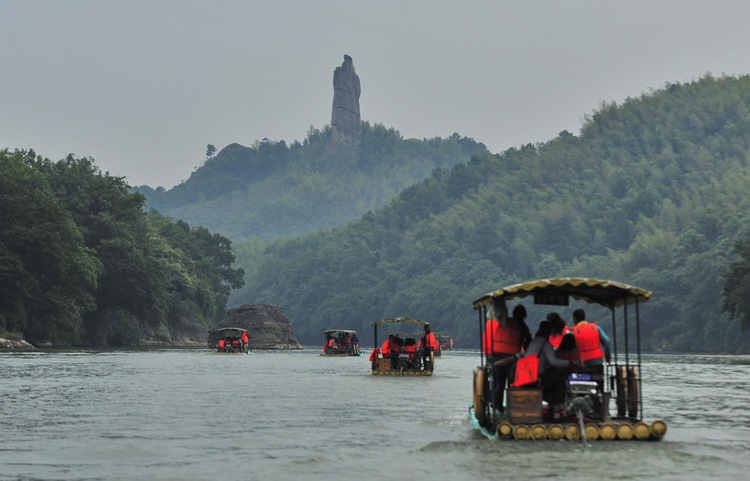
(538, 432)
(621, 374)
(521, 431)
(480, 397)
(641, 431)
(607, 431)
(592, 431)
(505, 430)
(634, 383)
(658, 429)
(572, 432)
(625, 431)
(555, 431)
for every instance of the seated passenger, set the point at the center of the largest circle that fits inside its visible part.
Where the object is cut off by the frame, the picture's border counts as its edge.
(550, 369)
(559, 328)
(390, 350)
(410, 346)
(567, 349)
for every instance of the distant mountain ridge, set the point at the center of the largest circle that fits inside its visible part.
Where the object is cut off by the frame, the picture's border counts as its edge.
(653, 192)
(271, 189)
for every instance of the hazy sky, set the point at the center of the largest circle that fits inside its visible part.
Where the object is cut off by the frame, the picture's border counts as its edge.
(142, 86)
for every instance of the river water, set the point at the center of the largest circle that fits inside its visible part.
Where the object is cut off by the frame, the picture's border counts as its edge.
(294, 415)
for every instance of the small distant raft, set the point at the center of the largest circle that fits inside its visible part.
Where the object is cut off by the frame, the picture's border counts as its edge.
(229, 340)
(588, 418)
(402, 353)
(340, 343)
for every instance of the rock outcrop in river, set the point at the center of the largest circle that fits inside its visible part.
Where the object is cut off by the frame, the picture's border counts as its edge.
(15, 345)
(266, 325)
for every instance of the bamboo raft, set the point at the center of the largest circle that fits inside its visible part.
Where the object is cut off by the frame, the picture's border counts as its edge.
(588, 390)
(613, 430)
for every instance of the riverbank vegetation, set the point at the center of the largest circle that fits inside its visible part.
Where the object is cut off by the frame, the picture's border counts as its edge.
(81, 262)
(651, 192)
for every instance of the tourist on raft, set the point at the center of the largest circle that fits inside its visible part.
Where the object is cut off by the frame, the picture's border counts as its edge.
(539, 362)
(503, 338)
(593, 345)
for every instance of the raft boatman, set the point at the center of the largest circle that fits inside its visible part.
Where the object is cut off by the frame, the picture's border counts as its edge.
(593, 345)
(429, 344)
(504, 337)
(245, 341)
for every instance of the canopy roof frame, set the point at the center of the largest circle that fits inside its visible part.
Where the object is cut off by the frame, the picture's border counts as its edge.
(607, 293)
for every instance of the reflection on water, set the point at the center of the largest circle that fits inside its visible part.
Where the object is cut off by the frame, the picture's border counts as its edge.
(195, 414)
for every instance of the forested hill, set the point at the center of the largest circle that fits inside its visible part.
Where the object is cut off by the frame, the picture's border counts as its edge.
(272, 189)
(653, 192)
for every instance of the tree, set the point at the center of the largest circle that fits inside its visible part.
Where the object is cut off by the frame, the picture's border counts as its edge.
(736, 300)
(210, 151)
(47, 275)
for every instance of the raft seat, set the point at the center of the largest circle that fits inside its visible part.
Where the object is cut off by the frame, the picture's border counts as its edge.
(524, 405)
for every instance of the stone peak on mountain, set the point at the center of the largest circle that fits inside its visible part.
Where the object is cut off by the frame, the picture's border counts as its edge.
(346, 124)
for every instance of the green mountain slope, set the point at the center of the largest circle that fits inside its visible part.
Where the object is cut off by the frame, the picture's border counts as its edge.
(653, 192)
(273, 190)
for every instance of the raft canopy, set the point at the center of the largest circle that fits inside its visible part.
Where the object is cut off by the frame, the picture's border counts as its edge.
(399, 319)
(228, 329)
(343, 331)
(557, 291)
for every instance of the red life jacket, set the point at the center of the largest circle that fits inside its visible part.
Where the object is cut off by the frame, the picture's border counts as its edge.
(374, 354)
(244, 338)
(331, 342)
(556, 338)
(587, 341)
(527, 371)
(386, 348)
(501, 339)
(430, 341)
(221, 343)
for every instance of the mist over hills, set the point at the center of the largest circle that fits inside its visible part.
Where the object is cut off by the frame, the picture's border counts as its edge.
(653, 192)
(271, 189)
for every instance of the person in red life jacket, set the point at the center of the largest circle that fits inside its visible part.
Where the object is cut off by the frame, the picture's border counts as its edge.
(450, 344)
(390, 350)
(348, 340)
(592, 344)
(245, 340)
(222, 344)
(559, 329)
(567, 349)
(430, 345)
(410, 347)
(374, 358)
(503, 338)
(331, 345)
(548, 368)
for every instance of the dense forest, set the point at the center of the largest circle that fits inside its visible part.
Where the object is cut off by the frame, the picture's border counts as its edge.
(652, 192)
(82, 263)
(272, 189)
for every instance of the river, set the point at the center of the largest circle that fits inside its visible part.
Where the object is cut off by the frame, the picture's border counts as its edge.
(293, 415)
